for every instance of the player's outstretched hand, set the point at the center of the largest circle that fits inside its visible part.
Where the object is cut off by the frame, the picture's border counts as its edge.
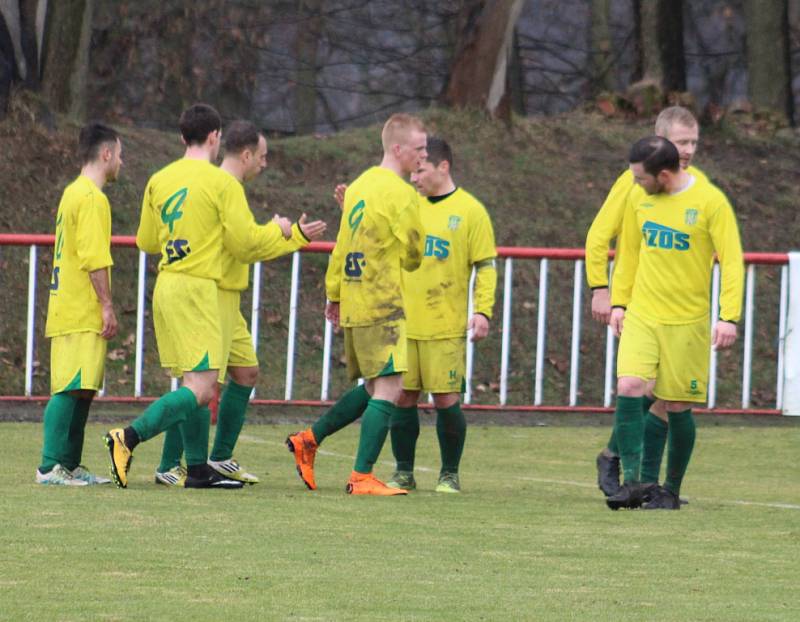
(616, 320)
(601, 305)
(110, 325)
(479, 326)
(312, 230)
(332, 313)
(338, 194)
(285, 224)
(724, 335)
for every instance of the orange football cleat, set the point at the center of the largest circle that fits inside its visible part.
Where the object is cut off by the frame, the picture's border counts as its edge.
(368, 484)
(304, 447)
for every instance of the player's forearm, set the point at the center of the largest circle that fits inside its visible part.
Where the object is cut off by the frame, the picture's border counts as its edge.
(597, 242)
(102, 286)
(731, 290)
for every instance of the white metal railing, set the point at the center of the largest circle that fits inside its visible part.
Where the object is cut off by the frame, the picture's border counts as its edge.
(543, 256)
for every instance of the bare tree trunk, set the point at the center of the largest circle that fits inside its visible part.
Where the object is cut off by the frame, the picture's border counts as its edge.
(769, 78)
(600, 44)
(479, 74)
(66, 56)
(659, 25)
(309, 27)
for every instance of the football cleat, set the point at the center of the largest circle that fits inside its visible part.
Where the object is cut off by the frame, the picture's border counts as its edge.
(121, 456)
(663, 499)
(80, 472)
(304, 447)
(630, 495)
(211, 479)
(608, 474)
(368, 484)
(402, 479)
(176, 476)
(233, 470)
(58, 476)
(448, 482)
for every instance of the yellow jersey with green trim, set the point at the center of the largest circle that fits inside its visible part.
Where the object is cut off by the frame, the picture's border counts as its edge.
(458, 235)
(380, 234)
(663, 270)
(607, 225)
(83, 245)
(190, 210)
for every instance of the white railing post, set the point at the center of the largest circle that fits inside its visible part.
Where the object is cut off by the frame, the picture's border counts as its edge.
(791, 345)
(140, 300)
(506, 341)
(541, 334)
(574, 365)
(254, 315)
(712, 363)
(292, 325)
(31, 321)
(782, 305)
(470, 345)
(748, 335)
(326, 361)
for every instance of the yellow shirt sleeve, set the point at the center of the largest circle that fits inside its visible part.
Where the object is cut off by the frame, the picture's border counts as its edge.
(93, 243)
(606, 226)
(333, 275)
(410, 233)
(482, 250)
(626, 260)
(147, 234)
(725, 237)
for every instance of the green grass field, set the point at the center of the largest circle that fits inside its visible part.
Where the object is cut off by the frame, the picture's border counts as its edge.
(529, 539)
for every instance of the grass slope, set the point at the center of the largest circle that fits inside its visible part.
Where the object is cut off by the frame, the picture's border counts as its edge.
(529, 539)
(542, 179)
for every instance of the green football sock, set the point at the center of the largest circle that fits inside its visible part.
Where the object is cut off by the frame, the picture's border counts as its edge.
(628, 427)
(451, 428)
(653, 440)
(195, 431)
(77, 427)
(172, 450)
(682, 433)
(612, 445)
(374, 427)
(347, 409)
(230, 419)
(55, 423)
(404, 430)
(164, 413)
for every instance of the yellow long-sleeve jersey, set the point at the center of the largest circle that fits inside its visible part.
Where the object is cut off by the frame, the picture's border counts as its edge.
(663, 270)
(380, 234)
(607, 225)
(83, 245)
(459, 235)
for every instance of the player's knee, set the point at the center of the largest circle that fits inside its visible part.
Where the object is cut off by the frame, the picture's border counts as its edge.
(408, 398)
(676, 407)
(245, 376)
(445, 400)
(629, 386)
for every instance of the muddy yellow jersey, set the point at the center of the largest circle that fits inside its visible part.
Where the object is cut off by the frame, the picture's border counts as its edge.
(458, 235)
(192, 208)
(380, 234)
(83, 245)
(663, 271)
(607, 226)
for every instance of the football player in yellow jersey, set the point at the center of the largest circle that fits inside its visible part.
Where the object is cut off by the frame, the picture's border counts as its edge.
(245, 158)
(680, 127)
(190, 209)
(661, 282)
(80, 313)
(380, 235)
(459, 236)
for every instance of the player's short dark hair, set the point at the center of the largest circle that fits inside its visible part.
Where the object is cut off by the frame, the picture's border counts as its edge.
(94, 135)
(197, 122)
(241, 135)
(439, 151)
(655, 154)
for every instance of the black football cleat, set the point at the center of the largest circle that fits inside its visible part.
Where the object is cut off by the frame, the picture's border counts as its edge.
(608, 474)
(211, 479)
(663, 499)
(630, 496)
